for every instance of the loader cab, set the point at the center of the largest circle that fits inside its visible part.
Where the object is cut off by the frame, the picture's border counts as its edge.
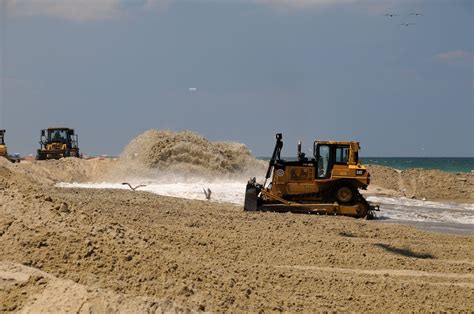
(2, 137)
(330, 153)
(59, 135)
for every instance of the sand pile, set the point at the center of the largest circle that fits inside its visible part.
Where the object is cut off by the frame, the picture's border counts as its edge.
(4, 162)
(70, 169)
(423, 183)
(11, 179)
(186, 154)
(34, 291)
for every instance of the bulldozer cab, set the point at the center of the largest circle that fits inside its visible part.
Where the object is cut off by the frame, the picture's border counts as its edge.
(331, 153)
(2, 137)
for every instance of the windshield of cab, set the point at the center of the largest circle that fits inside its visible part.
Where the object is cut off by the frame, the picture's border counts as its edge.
(57, 135)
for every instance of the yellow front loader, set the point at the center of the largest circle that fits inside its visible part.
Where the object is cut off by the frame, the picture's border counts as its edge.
(4, 150)
(57, 143)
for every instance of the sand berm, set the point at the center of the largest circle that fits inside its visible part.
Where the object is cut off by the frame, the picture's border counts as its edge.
(85, 250)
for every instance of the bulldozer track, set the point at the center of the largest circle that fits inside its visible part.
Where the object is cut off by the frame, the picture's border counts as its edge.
(391, 272)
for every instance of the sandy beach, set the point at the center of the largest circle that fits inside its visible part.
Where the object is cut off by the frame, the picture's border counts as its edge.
(97, 250)
(239, 156)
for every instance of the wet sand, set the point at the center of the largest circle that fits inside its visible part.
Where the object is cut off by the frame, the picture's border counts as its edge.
(441, 227)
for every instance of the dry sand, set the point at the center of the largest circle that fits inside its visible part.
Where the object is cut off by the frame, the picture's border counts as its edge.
(37, 291)
(82, 250)
(422, 183)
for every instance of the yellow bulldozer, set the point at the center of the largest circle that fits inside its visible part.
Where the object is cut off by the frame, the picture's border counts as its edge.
(57, 143)
(4, 150)
(329, 183)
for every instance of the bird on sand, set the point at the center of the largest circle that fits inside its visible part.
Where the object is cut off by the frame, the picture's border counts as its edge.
(133, 188)
(391, 14)
(407, 24)
(207, 193)
(416, 13)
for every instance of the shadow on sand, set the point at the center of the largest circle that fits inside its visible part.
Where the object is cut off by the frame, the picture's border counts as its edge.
(404, 251)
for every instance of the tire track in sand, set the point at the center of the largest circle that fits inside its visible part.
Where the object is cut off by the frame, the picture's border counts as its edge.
(391, 272)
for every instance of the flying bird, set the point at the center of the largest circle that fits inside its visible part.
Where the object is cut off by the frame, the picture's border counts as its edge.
(207, 193)
(416, 13)
(407, 24)
(193, 89)
(133, 188)
(391, 14)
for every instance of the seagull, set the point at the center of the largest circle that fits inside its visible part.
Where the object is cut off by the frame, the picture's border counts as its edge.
(193, 89)
(133, 188)
(415, 13)
(391, 14)
(407, 24)
(207, 193)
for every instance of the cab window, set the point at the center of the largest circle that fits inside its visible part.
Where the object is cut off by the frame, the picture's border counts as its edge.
(58, 135)
(342, 155)
(323, 161)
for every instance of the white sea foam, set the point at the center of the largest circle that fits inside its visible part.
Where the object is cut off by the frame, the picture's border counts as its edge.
(393, 208)
(229, 192)
(402, 208)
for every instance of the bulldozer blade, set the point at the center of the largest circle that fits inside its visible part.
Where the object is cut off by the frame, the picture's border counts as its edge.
(251, 196)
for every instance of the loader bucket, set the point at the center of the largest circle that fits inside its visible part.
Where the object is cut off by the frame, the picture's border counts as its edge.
(251, 196)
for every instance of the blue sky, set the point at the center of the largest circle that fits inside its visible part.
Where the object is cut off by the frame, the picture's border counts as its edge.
(311, 69)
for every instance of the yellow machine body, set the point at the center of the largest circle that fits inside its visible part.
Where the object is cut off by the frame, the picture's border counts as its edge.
(4, 150)
(328, 183)
(57, 143)
(3, 147)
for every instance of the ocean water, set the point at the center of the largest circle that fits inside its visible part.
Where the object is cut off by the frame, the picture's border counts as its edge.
(436, 216)
(449, 164)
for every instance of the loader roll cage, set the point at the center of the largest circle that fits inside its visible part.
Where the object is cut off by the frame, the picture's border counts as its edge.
(59, 135)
